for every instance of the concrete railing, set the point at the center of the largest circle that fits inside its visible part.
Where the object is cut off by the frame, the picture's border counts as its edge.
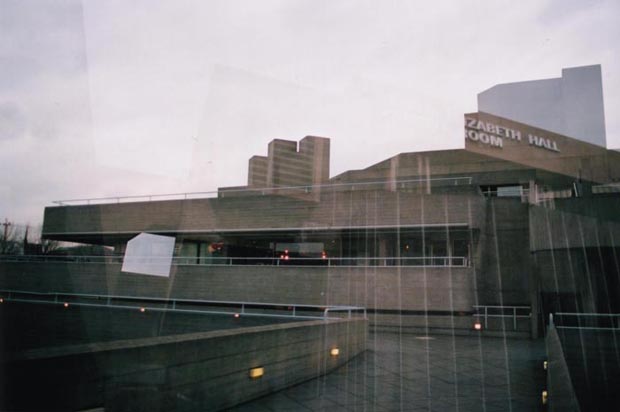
(561, 392)
(196, 371)
(281, 190)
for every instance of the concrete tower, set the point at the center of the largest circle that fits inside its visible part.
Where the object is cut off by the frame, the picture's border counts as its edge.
(571, 105)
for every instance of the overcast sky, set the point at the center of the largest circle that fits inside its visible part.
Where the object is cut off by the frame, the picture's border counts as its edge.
(101, 98)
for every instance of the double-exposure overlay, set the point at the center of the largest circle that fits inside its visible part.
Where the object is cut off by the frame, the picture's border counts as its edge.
(480, 278)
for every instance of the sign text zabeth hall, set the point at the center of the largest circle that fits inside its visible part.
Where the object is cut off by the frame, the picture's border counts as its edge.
(493, 135)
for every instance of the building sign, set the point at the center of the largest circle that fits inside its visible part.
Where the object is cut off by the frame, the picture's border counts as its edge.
(493, 135)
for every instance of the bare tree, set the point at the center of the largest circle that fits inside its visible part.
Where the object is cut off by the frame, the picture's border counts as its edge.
(10, 243)
(47, 246)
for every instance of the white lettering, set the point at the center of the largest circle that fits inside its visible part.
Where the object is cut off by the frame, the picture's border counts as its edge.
(492, 134)
(542, 142)
(497, 141)
(484, 138)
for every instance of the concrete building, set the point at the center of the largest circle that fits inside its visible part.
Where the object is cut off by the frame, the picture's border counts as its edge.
(522, 218)
(521, 221)
(571, 105)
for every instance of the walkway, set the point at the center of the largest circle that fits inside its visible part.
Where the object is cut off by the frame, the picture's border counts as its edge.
(415, 373)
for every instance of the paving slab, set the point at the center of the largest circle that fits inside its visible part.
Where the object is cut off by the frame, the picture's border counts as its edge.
(407, 372)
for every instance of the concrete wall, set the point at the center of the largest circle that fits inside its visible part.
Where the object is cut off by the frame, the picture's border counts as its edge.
(200, 371)
(363, 208)
(414, 298)
(285, 165)
(504, 275)
(257, 171)
(394, 288)
(576, 158)
(559, 384)
(555, 229)
(576, 258)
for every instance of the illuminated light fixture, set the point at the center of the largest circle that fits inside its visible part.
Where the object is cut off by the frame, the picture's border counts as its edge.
(1, 300)
(425, 338)
(236, 315)
(256, 373)
(142, 309)
(544, 397)
(477, 326)
(334, 352)
(66, 305)
(545, 365)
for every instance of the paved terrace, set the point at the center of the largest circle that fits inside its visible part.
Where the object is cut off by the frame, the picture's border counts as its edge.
(416, 373)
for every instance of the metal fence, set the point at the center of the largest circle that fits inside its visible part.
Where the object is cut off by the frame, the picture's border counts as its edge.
(145, 303)
(281, 190)
(434, 261)
(486, 312)
(592, 321)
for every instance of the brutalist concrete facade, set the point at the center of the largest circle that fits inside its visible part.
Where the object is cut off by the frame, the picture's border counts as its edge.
(520, 217)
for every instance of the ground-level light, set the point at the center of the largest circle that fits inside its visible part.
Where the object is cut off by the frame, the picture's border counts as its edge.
(256, 373)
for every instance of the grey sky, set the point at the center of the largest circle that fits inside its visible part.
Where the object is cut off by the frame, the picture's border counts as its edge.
(102, 98)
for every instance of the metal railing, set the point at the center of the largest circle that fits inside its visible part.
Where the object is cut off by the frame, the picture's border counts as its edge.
(63, 258)
(435, 261)
(396, 184)
(145, 303)
(587, 321)
(499, 311)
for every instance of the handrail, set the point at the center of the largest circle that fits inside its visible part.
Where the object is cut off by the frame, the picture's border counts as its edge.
(70, 298)
(391, 261)
(261, 191)
(614, 320)
(348, 309)
(512, 309)
(602, 315)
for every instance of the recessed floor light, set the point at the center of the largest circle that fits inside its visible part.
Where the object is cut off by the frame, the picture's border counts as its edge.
(425, 338)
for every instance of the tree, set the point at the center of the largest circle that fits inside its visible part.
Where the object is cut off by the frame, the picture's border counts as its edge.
(16, 239)
(46, 246)
(10, 243)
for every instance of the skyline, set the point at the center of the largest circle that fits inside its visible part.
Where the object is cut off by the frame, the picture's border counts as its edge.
(101, 99)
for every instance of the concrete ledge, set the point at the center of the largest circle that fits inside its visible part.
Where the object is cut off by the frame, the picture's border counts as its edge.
(562, 395)
(199, 371)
